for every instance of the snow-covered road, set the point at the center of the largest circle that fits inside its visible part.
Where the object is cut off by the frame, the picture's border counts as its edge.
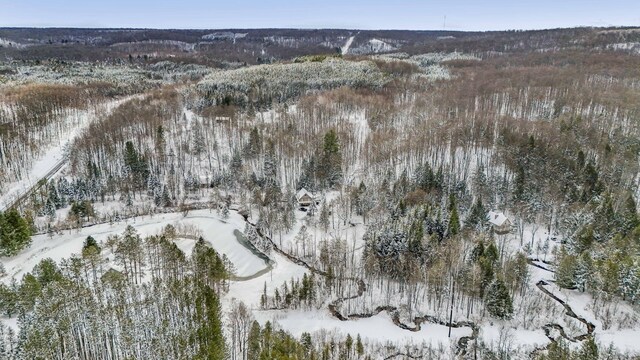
(54, 158)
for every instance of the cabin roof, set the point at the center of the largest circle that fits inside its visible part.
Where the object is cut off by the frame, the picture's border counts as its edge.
(497, 218)
(301, 193)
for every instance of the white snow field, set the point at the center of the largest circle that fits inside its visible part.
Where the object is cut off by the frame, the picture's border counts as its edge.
(219, 233)
(619, 332)
(378, 328)
(249, 291)
(345, 49)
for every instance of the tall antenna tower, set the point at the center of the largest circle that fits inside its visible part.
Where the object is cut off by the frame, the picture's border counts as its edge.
(444, 23)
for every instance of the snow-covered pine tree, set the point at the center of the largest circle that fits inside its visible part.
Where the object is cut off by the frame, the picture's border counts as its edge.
(498, 300)
(583, 272)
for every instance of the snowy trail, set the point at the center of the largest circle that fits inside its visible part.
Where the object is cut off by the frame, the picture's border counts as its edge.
(54, 159)
(31, 187)
(221, 234)
(347, 45)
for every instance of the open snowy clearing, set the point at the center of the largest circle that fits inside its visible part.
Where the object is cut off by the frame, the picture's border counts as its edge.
(378, 328)
(249, 291)
(219, 233)
(491, 333)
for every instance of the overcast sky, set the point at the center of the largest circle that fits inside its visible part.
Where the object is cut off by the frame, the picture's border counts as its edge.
(354, 14)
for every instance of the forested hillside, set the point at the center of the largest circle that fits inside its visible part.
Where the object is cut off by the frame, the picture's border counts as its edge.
(334, 195)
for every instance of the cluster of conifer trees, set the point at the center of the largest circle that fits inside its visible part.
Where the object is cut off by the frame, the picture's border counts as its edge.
(15, 233)
(156, 304)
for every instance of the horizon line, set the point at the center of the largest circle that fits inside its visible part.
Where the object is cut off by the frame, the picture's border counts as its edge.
(319, 28)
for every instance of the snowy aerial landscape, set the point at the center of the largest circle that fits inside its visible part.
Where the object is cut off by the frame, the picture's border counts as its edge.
(319, 194)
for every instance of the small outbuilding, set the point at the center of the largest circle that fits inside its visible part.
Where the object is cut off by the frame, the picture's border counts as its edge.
(499, 222)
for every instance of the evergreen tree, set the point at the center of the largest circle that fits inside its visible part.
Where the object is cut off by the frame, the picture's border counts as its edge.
(270, 167)
(477, 251)
(253, 347)
(583, 273)
(330, 169)
(160, 141)
(415, 237)
(566, 270)
(580, 160)
(47, 271)
(199, 143)
(130, 156)
(610, 275)
(8, 299)
(498, 300)
(90, 243)
(29, 291)
(519, 187)
(136, 166)
(49, 208)
(359, 346)
(588, 350)
(491, 253)
(477, 216)
(324, 217)
(558, 350)
(15, 233)
(605, 220)
(592, 185)
(307, 175)
(54, 196)
(165, 199)
(584, 240)
(454, 221)
(209, 336)
(254, 146)
(348, 345)
(236, 163)
(305, 340)
(630, 218)
(487, 274)
(81, 211)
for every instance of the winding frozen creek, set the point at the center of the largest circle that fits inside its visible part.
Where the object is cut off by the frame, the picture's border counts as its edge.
(253, 272)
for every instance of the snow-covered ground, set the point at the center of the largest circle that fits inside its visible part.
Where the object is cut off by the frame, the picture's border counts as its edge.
(249, 291)
(254, 274)
(613, 332)
(53, 157)
(40, 168)
(623, 340)
(219, 233)
(494, 333)
(615, 320)
(347, 45)
(378, 328)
